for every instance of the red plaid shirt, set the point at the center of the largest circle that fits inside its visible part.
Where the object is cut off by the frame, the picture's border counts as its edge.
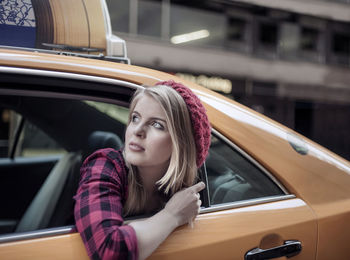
(99, 204)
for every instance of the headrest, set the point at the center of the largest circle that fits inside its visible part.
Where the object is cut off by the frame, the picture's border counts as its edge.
(100, 139)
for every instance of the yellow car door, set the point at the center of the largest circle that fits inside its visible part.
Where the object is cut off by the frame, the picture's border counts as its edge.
(248, 214)
(282, 228)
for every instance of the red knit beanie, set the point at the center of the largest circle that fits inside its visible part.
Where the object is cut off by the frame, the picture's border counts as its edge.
(200, 123)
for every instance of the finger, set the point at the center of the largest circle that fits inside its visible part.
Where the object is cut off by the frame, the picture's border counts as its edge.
(190, 223)
(197, 195)
(199, 203)
(197, 187)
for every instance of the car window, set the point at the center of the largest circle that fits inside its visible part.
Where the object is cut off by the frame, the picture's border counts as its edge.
(4, 131)
(50, 136)
(117, 112)
(34, 142)
(232, 177)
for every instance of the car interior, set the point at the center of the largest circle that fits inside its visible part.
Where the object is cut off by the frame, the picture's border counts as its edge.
(42, 187)
(232, 177)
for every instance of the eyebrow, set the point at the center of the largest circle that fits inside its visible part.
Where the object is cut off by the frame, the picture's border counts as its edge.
(152, 118)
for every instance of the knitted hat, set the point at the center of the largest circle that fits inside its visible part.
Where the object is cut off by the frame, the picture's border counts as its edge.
(200, 123)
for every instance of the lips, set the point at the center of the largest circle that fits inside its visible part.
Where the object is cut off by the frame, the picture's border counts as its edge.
(135, 147)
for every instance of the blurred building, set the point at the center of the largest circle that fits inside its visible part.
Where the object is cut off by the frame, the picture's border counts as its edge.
(288, 59)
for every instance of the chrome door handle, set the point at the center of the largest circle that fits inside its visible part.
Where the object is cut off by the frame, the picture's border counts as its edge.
(289, 249)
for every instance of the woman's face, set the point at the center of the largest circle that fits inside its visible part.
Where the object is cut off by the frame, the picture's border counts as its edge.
(147, 139)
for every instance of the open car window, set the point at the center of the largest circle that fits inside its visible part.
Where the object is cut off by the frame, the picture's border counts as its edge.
(49, 139)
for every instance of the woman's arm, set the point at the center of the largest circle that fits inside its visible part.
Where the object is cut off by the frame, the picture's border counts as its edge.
(98, 212)
(182, 208)
(98, 208)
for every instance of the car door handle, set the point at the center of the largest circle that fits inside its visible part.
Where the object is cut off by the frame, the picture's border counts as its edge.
(289, 249)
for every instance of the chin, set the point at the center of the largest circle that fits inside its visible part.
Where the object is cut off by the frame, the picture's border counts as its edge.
(132, 159)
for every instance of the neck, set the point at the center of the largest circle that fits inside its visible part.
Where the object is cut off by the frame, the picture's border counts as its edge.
(150, 175)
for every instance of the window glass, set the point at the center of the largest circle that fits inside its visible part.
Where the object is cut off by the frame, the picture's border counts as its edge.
(4, 131)
(309, 39)
(341, 43)
(266, 39)
(232, 177)
(236, 29)
(268, 34)
(34, 142)
(239, 33)
(341, 48)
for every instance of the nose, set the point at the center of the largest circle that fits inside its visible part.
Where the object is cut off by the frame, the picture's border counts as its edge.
(139, 130)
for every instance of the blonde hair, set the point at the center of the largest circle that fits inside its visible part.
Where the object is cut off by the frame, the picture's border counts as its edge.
(182, 170)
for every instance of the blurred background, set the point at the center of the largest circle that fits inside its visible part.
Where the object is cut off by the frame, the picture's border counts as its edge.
(288, 59)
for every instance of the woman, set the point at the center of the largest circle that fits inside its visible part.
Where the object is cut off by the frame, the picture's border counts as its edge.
(166, 141)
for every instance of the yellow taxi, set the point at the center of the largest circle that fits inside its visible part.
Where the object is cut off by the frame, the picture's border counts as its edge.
(270, 192)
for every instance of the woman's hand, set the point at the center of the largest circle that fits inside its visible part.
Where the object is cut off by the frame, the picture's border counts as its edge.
(182, 208)
(185, 204)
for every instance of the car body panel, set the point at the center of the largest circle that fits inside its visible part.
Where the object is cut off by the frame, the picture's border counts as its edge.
(69, 246)
(227, 234)
(318, 177)
(83, 66)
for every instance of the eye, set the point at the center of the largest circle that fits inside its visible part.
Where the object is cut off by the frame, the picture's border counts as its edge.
(157, 125)
(135, 118)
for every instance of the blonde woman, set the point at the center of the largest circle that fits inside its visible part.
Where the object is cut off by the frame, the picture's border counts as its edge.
(166, 141)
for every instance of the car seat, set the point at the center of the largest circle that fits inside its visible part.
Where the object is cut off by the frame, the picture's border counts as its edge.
(40, 210)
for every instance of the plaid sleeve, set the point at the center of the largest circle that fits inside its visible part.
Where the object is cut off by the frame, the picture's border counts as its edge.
(99, 205)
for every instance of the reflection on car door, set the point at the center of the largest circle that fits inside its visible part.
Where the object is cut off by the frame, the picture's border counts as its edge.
(230, 234)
